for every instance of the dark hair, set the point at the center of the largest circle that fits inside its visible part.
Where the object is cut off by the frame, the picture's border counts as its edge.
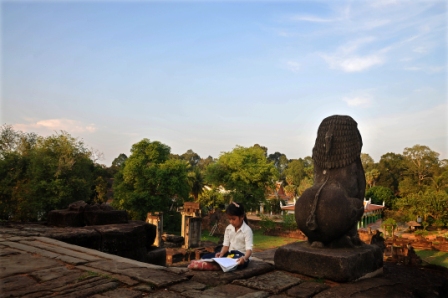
(236, 209)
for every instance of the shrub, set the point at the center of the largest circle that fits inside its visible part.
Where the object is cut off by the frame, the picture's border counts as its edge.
(389, 225)
(421, 233)
(266, 224)
(289, 222)
(438, 223)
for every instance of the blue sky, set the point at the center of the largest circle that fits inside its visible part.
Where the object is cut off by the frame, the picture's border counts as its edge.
(208, 75)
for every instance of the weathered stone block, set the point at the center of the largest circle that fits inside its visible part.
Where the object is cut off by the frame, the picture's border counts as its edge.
(156, 255)
(84, 237)
(93, 218)
(65, 218)
(151, 232)
(80, 214)
(337, 264)
(117, 238)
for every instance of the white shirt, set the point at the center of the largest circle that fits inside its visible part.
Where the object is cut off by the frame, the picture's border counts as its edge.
(241, 240)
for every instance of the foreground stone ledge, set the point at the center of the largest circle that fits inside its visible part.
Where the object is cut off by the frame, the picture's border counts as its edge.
(98, 253)
(337, 264)
(215, 278)
(158, 278)
(270, 282)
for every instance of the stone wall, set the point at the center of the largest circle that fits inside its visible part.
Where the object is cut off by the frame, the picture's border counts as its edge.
(131, 240)
(440, 243)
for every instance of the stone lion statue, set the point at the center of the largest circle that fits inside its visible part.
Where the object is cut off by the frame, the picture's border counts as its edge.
(328, 212)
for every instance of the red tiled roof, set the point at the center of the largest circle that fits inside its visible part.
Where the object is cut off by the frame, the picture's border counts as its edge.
(289, 207)
(371, 207)
(278, 193)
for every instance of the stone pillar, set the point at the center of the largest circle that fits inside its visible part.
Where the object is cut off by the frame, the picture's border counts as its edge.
(194, 232)
(191, 225)
(156, 218)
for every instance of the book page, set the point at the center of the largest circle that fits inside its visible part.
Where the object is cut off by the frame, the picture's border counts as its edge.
(226, 262)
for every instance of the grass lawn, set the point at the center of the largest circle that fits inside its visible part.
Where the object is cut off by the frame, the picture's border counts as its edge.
(261, 242)
(434, 257)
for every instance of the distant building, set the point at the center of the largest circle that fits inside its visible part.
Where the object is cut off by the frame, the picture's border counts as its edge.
(277, 193)
(372, 212)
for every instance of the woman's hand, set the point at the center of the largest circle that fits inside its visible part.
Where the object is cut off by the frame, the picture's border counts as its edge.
(241, 261)
(218, 255)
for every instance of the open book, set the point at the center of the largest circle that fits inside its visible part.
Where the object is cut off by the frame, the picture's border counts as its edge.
(227, 264)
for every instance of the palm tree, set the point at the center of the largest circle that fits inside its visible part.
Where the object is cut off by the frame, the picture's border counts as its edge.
(196, 182)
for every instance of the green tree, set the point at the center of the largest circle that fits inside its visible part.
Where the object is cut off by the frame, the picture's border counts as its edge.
(309, 167)
(290, 188)
(119, 161)
(380, 194)
(245, 171)
(280, 162)
(392, 168)
(100, 191)
(440, 182)
(304, 185)
(430, 205)
(265, 149)
(389, 225)
(40, 174)
(191, 157)
(204, 163)
(61, 171)
(196, 182)
(296, 170)
(420, 162)
(149, 180)
(13, 178)
(212, 198)
(372, 177)
(367, 162)
(408, 186)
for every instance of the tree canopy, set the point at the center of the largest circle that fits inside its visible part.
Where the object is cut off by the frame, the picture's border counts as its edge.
(149, 180)
(246, 172)
(39, 174)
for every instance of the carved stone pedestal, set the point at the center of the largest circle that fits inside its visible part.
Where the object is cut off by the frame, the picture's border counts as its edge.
(337, 264)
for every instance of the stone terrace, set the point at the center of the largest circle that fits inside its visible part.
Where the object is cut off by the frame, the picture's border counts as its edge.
(35, 266)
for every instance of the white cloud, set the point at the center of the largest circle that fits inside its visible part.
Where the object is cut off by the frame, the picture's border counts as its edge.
(312, 19)
(283, 33)
(375, 24)
(354, 63)
(51, 125)
(412, 68)
(347, 59)
(421, 50)
(354, 45)
(382, 3)
(426, 69)
(293, 66)
(357, 101)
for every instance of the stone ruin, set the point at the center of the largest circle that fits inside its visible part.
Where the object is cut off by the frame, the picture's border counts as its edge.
(80, 214)
(103, 228)
(328, 212)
